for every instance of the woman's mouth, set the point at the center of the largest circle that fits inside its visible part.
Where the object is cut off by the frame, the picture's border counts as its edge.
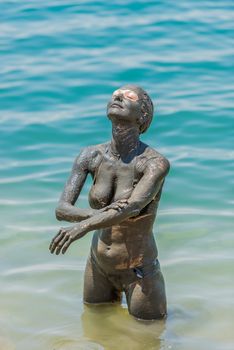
(114, 105)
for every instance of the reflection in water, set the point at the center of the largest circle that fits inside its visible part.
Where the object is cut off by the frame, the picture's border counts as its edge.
(5, 344)
(111, 327)
(76, 345)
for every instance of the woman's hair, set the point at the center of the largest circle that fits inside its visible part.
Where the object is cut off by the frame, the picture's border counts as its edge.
(147, 106)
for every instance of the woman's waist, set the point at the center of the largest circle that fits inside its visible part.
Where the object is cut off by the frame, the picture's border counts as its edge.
(123, 254)
(144, 269)
(124, 234)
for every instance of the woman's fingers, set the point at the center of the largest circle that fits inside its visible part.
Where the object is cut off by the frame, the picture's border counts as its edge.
(66, 245)
(64, 238)
(118, 205)
(57, 239)
(60, 231)
(122, 205)
(123, 200)
(61, 243)
(72, 237)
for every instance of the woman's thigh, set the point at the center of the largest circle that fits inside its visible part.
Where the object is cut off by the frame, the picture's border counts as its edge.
(146, 298)
(97, 288)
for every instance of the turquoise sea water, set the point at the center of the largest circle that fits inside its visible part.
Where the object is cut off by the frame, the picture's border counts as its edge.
(60, 62)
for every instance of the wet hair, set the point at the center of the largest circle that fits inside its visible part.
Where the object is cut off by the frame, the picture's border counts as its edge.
(147, 106)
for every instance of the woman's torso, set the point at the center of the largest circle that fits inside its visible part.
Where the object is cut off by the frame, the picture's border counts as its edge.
(131, 243)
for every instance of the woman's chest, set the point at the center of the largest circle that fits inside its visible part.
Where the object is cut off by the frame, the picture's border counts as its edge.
(112, 180)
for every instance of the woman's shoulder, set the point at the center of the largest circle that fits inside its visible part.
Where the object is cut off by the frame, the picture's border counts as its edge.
(94, 150)
(151, 158)
(92, 155)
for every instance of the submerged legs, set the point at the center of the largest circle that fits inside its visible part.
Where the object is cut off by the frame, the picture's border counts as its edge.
(146, 297)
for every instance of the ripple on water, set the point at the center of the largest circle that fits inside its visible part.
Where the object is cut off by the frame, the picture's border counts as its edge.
(61, 60)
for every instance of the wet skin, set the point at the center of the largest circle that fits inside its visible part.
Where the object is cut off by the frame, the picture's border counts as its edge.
(127, 177)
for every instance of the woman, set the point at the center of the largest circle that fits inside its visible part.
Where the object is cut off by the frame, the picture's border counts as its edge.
(127, 177)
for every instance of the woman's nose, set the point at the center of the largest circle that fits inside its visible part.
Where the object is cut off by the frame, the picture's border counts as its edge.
(118, 97)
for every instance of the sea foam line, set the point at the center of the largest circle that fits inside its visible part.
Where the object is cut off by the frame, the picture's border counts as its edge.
(196, 211)
(16, 202)
(41, 162)
(35, 176)
(44, 267)
(200, 258)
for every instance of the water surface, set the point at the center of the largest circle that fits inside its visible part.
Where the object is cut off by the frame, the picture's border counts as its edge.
(60, 62)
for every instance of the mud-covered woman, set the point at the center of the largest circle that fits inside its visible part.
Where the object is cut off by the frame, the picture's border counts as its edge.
(128, 177)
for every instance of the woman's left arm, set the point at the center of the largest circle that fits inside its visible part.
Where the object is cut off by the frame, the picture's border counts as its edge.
(144, 192)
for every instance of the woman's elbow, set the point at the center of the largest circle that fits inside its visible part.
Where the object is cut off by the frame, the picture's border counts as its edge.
(134, 209)
(59, 213)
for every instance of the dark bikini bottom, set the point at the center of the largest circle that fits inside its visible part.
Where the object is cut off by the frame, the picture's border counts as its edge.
(122, 279)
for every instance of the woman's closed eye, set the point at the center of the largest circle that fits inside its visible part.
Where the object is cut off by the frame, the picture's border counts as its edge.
(129, 94)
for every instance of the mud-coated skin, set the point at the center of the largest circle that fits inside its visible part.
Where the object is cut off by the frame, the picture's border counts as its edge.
(128, 177)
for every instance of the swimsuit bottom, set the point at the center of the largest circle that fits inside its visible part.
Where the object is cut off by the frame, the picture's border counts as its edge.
(122, 279)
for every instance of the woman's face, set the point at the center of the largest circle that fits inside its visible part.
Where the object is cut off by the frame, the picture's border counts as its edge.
(125, 105)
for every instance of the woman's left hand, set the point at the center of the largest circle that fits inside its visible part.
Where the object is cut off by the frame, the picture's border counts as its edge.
(65, 237)
(117, 205)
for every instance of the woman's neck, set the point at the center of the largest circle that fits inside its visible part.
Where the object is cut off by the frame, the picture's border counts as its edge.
(125, 141)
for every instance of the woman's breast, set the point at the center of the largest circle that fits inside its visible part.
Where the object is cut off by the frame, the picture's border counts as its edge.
(124, 187)
(102, 190)
(112, 181)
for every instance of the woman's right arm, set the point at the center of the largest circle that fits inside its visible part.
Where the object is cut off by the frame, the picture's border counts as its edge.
(144, 192)
(66, 209)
